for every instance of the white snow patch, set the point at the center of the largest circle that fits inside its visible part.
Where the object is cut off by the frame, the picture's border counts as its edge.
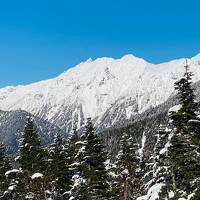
(175, 108)
(37, 175)
(12, 187)
(13, 171)
(190, 196)
(153, 192)
(171, 194)
(141, 150)
(129, 112)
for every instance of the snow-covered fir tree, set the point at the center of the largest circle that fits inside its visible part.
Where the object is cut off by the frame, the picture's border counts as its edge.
(161, 179)
(177, 157)
(184, 150)
(73, 147)
(32, 160)
(18, 185)
(5, 165)
(58, 168)
(79, 187)
(114, 184)
(79, 190)
(127, 181)
(38, 187)
(91, 179)
(31, 154)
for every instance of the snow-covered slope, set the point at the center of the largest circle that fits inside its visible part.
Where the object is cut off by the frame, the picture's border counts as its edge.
(106, 89)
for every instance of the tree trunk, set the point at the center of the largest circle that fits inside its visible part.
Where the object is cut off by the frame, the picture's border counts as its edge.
(126, 190)
(173, 182)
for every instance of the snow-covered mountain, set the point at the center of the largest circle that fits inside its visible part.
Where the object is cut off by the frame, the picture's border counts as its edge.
(108, 90)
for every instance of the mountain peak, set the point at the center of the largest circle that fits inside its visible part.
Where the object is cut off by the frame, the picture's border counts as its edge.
(93, 88)
(130, 57)
(89, 60)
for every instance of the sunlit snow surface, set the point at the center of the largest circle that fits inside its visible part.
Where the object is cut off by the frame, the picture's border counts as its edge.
(118, 87)
(36, 175)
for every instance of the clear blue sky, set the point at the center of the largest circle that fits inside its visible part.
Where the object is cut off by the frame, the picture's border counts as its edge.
(41, 38)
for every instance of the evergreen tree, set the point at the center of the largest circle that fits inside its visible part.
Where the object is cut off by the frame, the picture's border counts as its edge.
(91, 174)
(5, 165)
(73, 148)
(177, 156)
(80, 184)
(32, 160)
(189, 107)
(114, 190)
(127, 168)
(31, 154)
(95, 158)
(161, 174)
(58, 168)
(79, 190)
(177, 160)
(18, 185)
(38, 187)
(183, 152)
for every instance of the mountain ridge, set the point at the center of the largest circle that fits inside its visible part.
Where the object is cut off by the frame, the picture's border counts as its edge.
(103, 88)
